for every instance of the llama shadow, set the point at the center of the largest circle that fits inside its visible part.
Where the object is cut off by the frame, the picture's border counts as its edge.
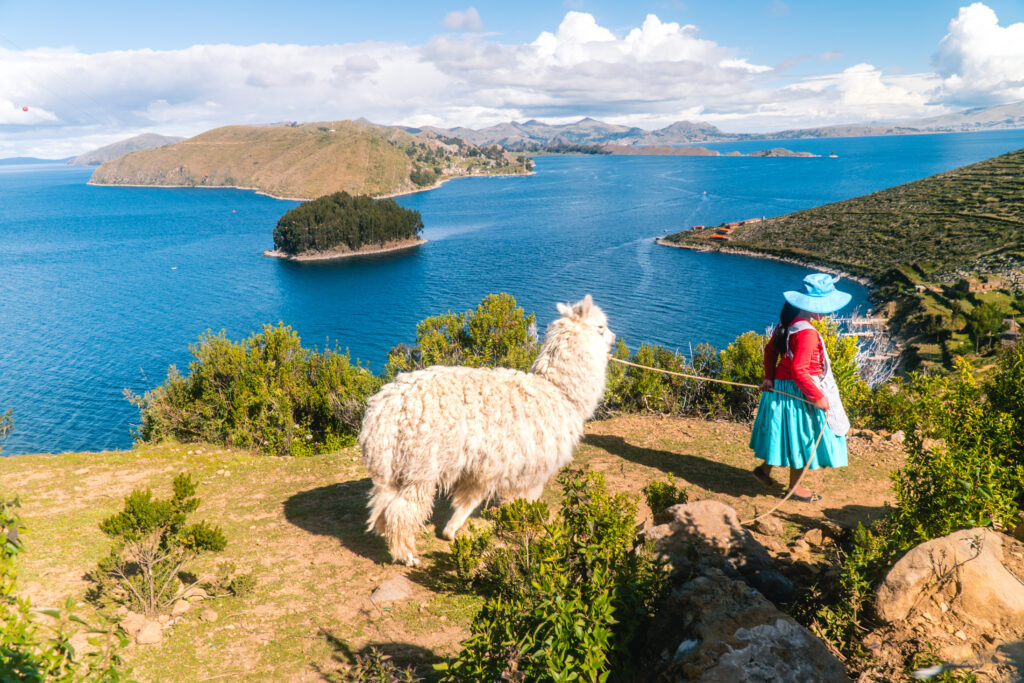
(338, 510)
(707, 474)
(402, 655)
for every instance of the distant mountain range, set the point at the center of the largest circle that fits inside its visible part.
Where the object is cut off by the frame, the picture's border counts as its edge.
(590, 131)
(118, 149)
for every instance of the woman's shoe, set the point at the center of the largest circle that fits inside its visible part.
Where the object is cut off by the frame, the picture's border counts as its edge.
(763, 477)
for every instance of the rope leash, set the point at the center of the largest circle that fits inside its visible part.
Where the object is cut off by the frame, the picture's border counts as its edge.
(814, 449)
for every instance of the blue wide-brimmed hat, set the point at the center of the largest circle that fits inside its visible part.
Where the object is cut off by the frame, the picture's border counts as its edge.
(820, 296)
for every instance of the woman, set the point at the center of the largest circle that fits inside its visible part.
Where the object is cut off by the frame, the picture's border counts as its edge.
(795, 362)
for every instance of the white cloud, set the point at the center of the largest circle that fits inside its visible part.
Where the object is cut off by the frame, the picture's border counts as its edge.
(466, 20)
(979, 60)
(649, 75)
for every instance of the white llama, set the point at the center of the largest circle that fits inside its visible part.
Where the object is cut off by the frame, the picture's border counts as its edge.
(481, 433)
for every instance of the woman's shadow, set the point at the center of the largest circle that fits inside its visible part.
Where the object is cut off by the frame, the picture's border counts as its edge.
(701, 471)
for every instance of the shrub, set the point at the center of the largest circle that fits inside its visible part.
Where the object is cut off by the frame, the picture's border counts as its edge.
(1006, 391)
(495, 334)
(743, 361)
(376, 667)
(661, 495)
(566, 600)
(152, 544)
(267, 394)
(37, 651)
(6, 425)
(640, 390)
(968, 478)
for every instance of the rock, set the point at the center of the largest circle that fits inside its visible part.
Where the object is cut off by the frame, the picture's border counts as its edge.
(967, 563)
(719, 629)
(209, 615)
(770, 526)
(898, 436)
(394, 589)
(149, 634)
(163, 619)
(708, 533)
(194, 594)
(133, 623)
(180, 607)
(814, 537)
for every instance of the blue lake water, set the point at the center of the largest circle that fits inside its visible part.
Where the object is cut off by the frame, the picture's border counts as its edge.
(102, 288)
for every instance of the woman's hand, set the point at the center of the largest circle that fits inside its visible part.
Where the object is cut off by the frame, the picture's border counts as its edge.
(821, 404)
(767, 385)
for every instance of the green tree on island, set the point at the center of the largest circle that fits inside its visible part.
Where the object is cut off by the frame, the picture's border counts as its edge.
(341, 220)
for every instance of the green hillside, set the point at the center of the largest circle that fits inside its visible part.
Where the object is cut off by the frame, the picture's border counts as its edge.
(308, 160)
(944, 223)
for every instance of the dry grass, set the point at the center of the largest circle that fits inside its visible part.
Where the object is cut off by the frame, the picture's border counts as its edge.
(298, 525)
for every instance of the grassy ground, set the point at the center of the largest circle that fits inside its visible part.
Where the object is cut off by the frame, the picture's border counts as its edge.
(298, 525)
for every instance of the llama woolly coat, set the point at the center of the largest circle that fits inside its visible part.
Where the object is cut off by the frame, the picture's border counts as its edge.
(481, 433)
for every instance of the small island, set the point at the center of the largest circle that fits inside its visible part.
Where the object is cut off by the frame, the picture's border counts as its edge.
(339, 225)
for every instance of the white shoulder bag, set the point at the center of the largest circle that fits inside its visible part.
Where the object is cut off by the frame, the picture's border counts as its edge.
(836, 417)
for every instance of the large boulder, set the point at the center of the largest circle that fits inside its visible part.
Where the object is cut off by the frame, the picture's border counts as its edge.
(707, 534)
(717, 629)
(964, 569)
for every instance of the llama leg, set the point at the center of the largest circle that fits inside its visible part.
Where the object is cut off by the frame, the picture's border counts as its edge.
(401, 518)
(465, 498)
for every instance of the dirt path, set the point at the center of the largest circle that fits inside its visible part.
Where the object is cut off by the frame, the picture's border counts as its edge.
(297, 524)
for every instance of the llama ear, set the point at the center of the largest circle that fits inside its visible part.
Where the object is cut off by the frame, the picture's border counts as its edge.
(582, 308)
(564, 310)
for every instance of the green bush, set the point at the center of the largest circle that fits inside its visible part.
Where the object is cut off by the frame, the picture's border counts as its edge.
(152, 545)
(743, 361)
(633, 389)
(1006, 391)
(38, 650)
(661, 495)
(267, 394)
(498, 333)
(566, 599)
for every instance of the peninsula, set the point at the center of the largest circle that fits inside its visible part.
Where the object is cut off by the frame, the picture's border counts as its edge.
(934, 250)
(304, 161)
(340, 225)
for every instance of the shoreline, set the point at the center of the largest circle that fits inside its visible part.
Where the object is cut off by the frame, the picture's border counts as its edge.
(308, 199)
(867, 282)
(337, 254)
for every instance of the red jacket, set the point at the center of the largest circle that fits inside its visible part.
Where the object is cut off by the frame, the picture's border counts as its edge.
(805, 363)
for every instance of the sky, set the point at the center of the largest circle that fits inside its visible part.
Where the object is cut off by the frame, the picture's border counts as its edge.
(78, 75)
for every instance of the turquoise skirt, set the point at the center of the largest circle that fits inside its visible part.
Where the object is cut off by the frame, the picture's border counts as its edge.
(785, 429)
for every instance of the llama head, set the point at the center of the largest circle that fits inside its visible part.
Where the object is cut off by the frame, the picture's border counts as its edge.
(585, 317)
(574, 356)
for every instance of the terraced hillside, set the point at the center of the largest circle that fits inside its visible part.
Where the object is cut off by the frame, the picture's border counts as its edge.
(945, 223)
(308, 160)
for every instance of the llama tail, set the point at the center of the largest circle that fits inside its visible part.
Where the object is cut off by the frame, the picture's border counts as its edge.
(398, 514)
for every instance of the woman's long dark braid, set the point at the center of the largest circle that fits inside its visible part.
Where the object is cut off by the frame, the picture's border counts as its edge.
(786, 317)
